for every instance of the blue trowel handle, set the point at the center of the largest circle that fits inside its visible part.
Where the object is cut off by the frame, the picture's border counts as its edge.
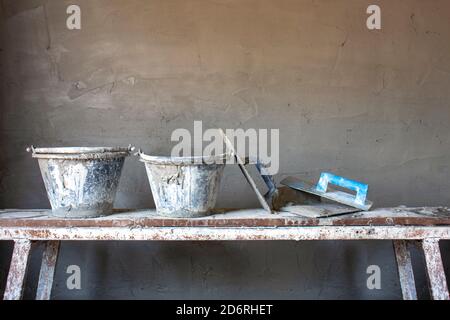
(358, 187)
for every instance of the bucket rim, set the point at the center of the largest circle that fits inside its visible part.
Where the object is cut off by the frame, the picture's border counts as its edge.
(80, 152)
(193, 160)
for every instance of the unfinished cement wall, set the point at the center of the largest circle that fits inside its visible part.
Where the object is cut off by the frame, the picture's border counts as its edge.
(370, 105)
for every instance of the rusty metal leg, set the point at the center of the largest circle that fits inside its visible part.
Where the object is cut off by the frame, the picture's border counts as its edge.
(48, 266)
(435, 270)
(405, 270)
(17, 270)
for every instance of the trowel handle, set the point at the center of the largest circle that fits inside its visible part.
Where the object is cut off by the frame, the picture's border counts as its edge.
(360, 188)
(268, 179)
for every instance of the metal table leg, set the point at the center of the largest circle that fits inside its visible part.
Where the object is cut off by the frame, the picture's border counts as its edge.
(48, 266)
(435, 270)
(405, 270)
(18, 270)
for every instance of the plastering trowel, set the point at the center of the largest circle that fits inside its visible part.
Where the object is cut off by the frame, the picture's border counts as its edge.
(302, 198)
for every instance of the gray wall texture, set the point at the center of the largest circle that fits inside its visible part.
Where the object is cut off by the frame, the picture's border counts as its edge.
(370, 105)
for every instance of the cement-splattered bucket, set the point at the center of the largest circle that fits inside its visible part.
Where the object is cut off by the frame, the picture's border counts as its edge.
(81, 182)
(184, 187)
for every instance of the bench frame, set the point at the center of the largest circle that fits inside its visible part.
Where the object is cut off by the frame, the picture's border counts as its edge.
(27, 231)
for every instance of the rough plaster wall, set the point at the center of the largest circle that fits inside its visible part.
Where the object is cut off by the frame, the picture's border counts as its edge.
(371, 105)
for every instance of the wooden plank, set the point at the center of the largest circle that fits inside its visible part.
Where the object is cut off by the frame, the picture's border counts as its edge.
(17, 270)
(405, 270)
(234, 218)
(435, 270)
(48, 267)
(228, 234)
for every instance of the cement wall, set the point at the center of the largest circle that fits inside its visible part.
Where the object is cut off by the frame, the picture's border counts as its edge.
(371, 105)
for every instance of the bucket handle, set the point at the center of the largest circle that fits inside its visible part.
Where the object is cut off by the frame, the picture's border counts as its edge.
(137, 153)
(30, 149)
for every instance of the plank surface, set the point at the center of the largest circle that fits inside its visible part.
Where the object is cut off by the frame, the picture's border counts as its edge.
(401, 216)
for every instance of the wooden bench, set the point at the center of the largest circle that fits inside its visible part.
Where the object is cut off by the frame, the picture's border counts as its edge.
(404, 226)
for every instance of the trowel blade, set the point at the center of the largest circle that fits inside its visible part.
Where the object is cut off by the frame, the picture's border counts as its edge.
(322, 210)
(331, 194)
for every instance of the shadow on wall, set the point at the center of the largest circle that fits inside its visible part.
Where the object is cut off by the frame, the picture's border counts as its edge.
(224, 270)
(220, 270)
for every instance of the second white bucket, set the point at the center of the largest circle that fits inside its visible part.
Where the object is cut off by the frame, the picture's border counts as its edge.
(184, 187)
